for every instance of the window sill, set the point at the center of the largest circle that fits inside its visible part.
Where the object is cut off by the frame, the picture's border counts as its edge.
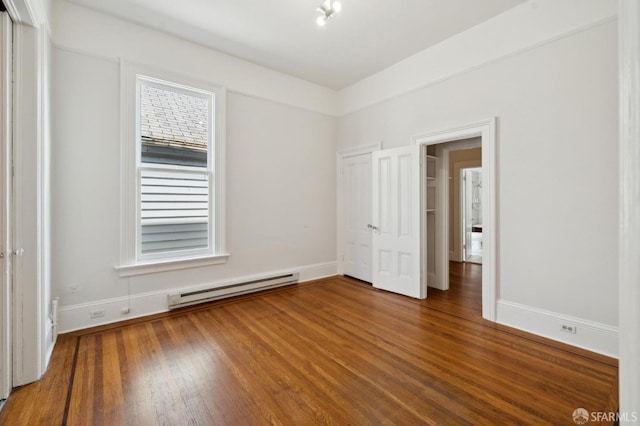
(169, 265)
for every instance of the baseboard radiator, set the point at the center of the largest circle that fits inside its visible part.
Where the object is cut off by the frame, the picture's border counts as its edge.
(179, 300)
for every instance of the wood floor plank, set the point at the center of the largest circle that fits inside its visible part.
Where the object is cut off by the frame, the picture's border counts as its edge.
(373, 375)
(473, 341)
(334, 373)
(50, 392)
(395, 357)
(520, 359)
(335, 351)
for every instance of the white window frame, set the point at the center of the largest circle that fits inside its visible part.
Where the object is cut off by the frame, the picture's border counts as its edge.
(132, 261)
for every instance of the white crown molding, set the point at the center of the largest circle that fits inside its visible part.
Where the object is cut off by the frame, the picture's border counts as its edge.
(28, 12)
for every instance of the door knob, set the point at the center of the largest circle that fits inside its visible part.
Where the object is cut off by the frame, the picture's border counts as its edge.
(17, 252)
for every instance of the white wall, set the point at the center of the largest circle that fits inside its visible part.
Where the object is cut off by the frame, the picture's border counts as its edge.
(557, 170)
(280, 168)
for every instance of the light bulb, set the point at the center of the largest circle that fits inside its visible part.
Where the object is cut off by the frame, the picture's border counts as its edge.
(336, 6)
(321, 20)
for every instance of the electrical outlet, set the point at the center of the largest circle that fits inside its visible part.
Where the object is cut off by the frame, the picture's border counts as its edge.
(569, 328)
(97, 314)
(125, 311)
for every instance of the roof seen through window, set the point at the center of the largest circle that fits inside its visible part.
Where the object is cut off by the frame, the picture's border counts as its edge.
(173, 117)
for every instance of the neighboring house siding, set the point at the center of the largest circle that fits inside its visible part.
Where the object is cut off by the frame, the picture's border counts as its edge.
(161, 238)
(174, 210)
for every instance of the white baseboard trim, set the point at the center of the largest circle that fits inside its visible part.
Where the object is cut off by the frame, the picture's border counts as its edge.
(433, 282)
(593, 336)
(318, 270)
(77, 317)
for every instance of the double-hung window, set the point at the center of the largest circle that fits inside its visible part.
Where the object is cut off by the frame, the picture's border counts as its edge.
(173, 182)
(174, 172)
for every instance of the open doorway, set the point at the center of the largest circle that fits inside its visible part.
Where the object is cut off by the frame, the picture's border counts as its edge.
(471, 203)
(457, 286)
(461, 158)
(441, 145)
(446, 218)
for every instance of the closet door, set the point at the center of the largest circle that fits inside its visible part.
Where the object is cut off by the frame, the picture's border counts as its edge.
(356, 202)
(396, 221)
(7, 221)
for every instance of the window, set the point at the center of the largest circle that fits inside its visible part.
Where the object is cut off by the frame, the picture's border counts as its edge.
(173, 147)
(175, 126)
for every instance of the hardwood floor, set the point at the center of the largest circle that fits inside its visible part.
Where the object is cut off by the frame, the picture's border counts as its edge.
(334, 351)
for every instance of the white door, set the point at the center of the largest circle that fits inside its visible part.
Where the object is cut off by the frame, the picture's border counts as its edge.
(467, 212)
(356, 202)
(396, 220)
(6, 157)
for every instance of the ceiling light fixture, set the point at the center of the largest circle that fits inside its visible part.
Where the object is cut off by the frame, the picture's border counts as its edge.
(328, 9)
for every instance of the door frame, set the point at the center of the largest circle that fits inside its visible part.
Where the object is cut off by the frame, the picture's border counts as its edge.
(628, 202)
(443, 151)
(463, 210)
(340, 157)
(486, 130)
(457, 255)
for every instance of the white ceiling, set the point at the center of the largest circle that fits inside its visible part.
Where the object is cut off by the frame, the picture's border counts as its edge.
(366, 37)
